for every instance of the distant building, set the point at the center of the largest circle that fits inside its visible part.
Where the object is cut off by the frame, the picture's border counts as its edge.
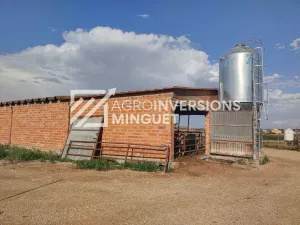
(276, 131)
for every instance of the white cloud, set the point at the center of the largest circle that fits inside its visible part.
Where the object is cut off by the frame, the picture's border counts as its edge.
(52, 29)
(103, 58)
(145, 16)
(283, 110)
(272, 77)
(279, 46)
(277, 81)
(284, 107)
(296, 44)
(279, 95)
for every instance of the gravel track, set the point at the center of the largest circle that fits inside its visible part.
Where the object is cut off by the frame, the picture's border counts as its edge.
(197, 193)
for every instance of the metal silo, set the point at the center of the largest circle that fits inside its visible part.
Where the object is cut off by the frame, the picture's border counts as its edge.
(237, 71)
(288, 136)
(241, 80)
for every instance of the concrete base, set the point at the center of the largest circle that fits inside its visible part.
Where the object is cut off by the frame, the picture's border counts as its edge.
(222, 157)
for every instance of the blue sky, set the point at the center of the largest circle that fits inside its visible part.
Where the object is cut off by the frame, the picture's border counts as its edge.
(212, 27)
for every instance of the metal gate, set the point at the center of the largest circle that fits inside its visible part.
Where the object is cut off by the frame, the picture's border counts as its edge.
(232, 133)
(187, 142)
(81, 138)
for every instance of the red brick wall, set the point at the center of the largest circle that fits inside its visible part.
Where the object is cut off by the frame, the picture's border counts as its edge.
(207, 133)
(156, 134)
(40, 125)
(5, 124)
(46, 125)
(152, 134)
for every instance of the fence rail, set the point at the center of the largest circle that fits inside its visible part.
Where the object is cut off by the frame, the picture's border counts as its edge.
(120, 150)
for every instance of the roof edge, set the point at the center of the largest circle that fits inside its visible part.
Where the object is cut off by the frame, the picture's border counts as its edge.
(65, 98)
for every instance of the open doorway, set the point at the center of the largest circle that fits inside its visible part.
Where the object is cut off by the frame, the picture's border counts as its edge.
(189, 134)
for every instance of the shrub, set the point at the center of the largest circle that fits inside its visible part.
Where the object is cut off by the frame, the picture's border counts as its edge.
(265, 160)
(272, 137)
(96, 164)
(142, 166)
(104, 164)
(18, 153)
(3, 153)
(52, 157)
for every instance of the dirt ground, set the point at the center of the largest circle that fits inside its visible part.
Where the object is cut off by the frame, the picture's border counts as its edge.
(200, 192)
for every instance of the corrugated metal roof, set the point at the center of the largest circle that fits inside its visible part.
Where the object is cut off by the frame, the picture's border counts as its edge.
(30, 101)
(137, 92)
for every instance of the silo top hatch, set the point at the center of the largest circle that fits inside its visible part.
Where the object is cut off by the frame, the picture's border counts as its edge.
(240, 48)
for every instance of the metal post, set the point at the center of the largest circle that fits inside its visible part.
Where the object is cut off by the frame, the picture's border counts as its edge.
(260, 66)
(167, 158)
(94, 151)
(11, 124)
(259, 140)
(196, 146)
(262, 80)
(184, 144)
(254, 108)
(127, 152)
(188, 127)
(178, 123)
(131, 153)
(68, 149)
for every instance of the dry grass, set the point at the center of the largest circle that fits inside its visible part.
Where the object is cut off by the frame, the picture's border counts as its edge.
(14, 153)
(280, 145)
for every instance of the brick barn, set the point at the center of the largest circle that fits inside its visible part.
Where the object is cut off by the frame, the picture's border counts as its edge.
(44, 122)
